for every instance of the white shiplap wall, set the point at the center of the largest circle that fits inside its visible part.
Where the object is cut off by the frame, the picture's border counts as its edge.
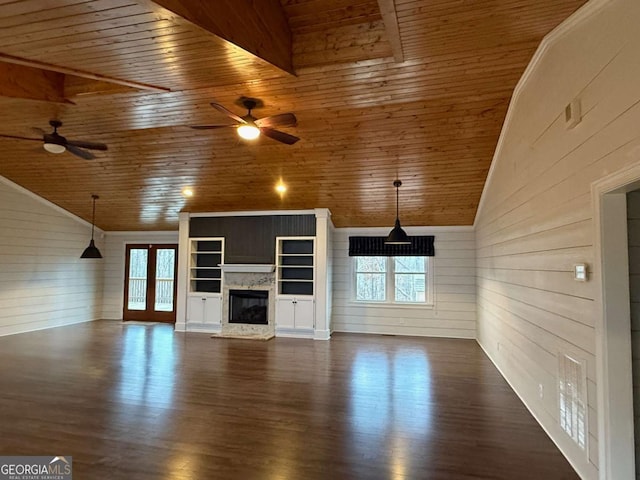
(535, 219)
(454, 310)
(633, 228)
(114, 253)
(43, 281)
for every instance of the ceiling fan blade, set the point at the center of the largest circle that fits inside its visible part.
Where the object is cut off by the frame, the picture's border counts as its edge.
(89, 145)
(20, 138)
(279, 136)
(78, 152)
(280, 120)
(227, 112)
(210, 127)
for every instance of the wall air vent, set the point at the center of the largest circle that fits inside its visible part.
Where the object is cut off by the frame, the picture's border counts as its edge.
(572, 398)
(573, 114)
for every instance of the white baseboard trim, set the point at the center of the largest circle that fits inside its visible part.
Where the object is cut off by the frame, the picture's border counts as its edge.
(41, 325)
(294, 333)
(322, 335)
(198, 327)
(399, 334)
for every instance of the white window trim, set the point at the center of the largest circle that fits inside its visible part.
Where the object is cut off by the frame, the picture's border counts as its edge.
(390, 302)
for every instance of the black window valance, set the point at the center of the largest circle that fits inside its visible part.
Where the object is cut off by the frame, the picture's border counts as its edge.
(375, 247)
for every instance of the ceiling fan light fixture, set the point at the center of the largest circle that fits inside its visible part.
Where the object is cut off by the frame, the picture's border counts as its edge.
(92, 251)
(54, 148)
(248, 132)
(397, 236)
(250, 127)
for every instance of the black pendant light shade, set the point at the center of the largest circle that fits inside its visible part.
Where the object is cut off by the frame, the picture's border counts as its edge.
(92, 251)
(397, 236)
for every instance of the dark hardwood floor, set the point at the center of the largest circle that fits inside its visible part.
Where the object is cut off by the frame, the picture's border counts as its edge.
(131, 401)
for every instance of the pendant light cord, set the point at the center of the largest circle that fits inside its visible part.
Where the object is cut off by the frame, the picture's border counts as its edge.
(397, 184)
(93, 215)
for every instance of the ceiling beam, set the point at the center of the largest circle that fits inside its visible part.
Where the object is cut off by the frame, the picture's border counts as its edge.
(78, 86)
(78, 73)
(17, 81)
(390, 19)
(259, 27)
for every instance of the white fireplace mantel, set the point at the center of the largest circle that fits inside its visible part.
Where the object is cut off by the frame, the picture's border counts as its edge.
(247, 268)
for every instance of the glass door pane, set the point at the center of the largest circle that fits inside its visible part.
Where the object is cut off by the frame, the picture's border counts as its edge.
(137, 294)
(149, 288)
(165, 266)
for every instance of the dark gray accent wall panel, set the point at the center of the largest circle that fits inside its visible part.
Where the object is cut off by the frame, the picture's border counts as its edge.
(252, 239)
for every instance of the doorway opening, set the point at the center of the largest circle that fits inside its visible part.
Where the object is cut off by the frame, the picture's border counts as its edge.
(633, 236)
(613, 327)
(150, 283)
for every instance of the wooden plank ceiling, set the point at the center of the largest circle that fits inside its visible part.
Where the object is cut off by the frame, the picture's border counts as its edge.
(135, 74)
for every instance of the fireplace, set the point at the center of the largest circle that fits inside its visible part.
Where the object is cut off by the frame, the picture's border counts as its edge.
(248, 306)
(242, 290)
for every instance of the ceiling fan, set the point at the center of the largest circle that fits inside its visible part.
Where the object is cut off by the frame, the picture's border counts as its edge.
(250, 127)
(55, 143)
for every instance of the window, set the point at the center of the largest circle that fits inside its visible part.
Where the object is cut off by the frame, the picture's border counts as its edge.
(371, 274)
(392, 279)
(409, 279)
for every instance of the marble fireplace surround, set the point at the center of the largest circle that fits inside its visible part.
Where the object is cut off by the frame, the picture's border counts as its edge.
(247, 280)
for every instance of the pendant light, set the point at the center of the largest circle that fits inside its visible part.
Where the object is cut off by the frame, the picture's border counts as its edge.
(92, 251)
(397, 236)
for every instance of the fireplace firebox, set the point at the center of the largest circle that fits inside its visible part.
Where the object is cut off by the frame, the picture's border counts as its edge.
(248, 306)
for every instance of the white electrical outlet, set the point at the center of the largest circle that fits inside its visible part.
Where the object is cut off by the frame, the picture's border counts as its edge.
(540, 391)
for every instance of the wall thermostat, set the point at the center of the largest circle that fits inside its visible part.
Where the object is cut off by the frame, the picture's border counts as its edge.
(580, 272)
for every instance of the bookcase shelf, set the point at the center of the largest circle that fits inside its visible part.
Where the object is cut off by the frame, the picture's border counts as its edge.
(295, 265)
(205, 257)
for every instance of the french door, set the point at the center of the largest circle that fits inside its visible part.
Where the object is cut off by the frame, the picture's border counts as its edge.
(150, 283)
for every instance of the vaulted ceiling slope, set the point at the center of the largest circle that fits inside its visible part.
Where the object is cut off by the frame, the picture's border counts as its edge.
(413, 89)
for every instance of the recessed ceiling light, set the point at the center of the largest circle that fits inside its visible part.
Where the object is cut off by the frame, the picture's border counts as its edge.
(187, 192)
(281, 187)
